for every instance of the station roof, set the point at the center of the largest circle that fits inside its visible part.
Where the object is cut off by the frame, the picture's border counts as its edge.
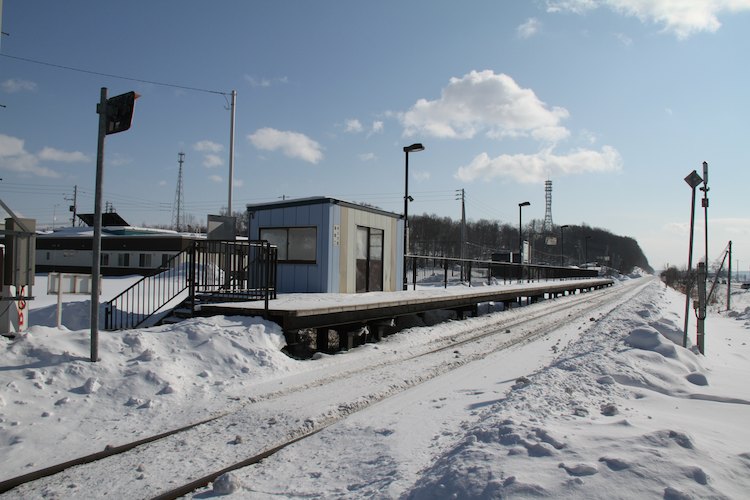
(319, 200)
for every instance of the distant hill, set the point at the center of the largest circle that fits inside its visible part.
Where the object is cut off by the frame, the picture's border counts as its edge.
(441, 236)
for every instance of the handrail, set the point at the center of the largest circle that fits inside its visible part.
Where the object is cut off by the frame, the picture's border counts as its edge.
(493, 269)
(207, 269)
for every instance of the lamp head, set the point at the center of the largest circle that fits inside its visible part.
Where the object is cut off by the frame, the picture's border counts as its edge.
(414, 148)
(524, 204)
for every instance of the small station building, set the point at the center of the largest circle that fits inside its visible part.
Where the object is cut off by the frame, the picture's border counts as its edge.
(331, 246)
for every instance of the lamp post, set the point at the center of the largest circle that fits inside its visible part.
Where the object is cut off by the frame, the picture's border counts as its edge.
(408, 149)
(562, 245)
(693, 180)
(520, 232)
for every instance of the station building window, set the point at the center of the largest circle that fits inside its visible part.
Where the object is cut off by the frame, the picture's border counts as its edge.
(295, 244)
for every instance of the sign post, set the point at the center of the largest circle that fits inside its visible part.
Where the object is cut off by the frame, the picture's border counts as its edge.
(115, 115)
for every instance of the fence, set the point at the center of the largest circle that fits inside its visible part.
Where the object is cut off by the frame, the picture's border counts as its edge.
(484, 271)
(207, 270)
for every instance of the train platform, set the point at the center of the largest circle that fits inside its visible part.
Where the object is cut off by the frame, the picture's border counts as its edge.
(336, 311)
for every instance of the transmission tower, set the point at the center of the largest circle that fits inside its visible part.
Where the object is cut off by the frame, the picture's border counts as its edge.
(547, 225)
(178, 216)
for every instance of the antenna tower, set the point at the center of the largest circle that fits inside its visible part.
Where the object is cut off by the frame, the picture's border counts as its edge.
(178, 216)
(547, 225)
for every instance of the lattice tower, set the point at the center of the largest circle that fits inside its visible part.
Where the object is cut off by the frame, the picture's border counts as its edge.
(547, 225)
(178, 215)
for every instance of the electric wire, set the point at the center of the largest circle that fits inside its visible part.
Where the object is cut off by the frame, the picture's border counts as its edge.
(110, 75)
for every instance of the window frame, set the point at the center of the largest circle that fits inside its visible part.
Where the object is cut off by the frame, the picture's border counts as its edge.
(284, 252)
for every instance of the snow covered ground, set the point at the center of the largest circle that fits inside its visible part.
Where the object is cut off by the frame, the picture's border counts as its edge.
(603, 406)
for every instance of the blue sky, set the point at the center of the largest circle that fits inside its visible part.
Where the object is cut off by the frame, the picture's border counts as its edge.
(615, 101)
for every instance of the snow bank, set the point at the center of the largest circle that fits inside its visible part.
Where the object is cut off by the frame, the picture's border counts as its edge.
(146, 381)
(623, 413)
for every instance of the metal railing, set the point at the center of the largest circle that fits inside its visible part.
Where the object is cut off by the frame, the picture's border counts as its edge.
(208, 271)
(485, 271)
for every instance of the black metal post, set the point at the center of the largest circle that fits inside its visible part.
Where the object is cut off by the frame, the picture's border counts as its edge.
(407, 149)
(689, 284)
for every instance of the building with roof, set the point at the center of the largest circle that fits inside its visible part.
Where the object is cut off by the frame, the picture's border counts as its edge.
(125, 250)
(328, 245)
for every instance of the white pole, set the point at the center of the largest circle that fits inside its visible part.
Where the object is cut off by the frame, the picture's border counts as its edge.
(59, 300)
(231, 152)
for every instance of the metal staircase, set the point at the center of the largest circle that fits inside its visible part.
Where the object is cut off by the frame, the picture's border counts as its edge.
(207, 270)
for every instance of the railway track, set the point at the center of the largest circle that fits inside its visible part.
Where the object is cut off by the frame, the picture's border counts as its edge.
(276, 419)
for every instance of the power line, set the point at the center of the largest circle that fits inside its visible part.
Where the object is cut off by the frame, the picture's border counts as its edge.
(109, 75)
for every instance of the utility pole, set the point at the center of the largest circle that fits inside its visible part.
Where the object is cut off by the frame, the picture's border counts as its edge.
(73, 207)
(729, 277)
(233, 107)
(462, 250)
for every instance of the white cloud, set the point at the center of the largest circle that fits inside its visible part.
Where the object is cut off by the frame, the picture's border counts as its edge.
(52, 154)
(422, 175)
(14, 157)
(354, 126)
(377, 127)
(210, 150)
(255, 81)
(10, 146)
(212, 161)
(367, 156)
(624, 39)
(529, 28)
(215, 178)
(208, 147)
(12, 85)
(683, 18)
(292, 144)
(531, 168)
(483, 101)
(118, 160)
(238, 183)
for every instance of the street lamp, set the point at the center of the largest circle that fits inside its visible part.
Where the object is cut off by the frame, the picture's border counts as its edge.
(562, 245)
(408, 149)
(520, 232)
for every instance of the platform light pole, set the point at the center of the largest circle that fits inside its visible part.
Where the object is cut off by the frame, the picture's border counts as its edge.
(562, 245)
(520, 231)
(408, 149)
(693, 180)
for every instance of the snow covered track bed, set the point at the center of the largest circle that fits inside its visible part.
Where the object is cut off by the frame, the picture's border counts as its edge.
(313, 399)
(583, 396)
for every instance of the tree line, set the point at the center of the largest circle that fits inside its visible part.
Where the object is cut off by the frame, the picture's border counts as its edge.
(436, 236)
